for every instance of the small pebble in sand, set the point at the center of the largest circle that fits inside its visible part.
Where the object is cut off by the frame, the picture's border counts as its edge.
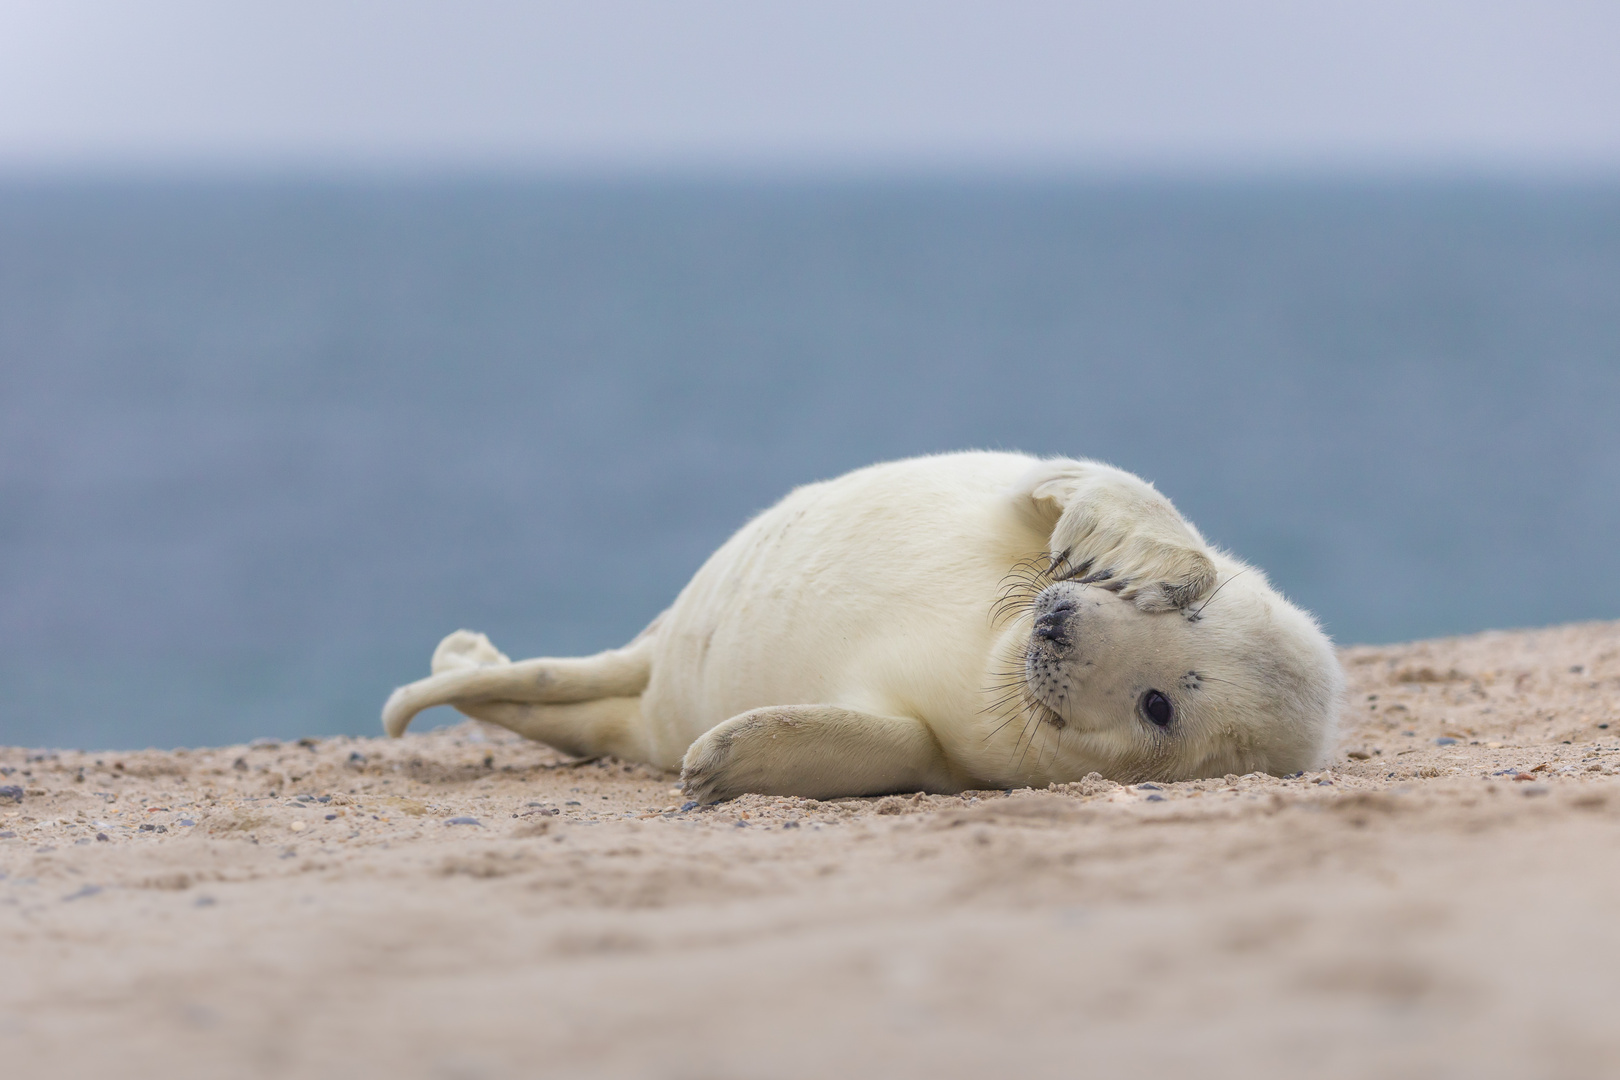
(1445, 740)
(7, 834)
(101, 836)
(12, 792)
(297, 826)
(84, 890)
(204, 901)
(462, 820)
(690, 805)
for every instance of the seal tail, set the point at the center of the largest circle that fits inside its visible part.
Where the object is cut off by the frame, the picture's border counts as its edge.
(585, 705)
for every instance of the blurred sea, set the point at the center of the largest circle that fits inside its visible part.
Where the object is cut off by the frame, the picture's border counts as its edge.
(263, 444)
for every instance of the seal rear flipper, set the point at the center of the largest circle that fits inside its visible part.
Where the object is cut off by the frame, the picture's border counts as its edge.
(609, 725)
(816, 752)
(471, 671)
(465, 649)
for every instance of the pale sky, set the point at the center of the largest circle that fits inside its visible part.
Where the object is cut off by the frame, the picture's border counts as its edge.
(834, 84)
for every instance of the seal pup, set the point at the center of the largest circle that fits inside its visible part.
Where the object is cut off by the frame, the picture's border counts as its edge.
(946, 623)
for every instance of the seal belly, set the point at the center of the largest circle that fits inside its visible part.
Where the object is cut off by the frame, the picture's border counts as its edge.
(872, 591)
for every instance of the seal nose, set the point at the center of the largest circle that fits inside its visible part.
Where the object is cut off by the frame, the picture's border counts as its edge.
(1052, 624)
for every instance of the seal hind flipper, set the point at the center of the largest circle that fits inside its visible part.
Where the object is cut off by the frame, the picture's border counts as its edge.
(610, 725)
(584, 704)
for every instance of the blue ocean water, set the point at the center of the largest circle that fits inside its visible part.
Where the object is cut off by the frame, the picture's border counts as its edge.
(262, 444)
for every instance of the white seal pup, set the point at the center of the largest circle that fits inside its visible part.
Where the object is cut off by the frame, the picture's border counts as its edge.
(963, 621)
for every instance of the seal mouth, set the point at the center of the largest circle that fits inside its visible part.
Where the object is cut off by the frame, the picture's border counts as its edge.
(1024, 704)
(1047, 713)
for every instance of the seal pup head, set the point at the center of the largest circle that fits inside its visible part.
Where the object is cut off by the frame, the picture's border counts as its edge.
(1243, 681)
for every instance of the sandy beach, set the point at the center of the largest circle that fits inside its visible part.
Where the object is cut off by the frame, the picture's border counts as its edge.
(1440, 902)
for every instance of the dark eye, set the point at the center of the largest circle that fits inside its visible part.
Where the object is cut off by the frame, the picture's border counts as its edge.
(1157, 708)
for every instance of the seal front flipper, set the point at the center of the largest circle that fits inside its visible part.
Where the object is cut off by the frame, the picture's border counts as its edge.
(1114, 530)
(816, 752)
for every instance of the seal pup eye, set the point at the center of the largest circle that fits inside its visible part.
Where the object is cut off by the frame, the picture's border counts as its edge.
(1157, 708)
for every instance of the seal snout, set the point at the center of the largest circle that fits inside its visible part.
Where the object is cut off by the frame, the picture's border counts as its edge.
(1056, 610)
(1053, 623)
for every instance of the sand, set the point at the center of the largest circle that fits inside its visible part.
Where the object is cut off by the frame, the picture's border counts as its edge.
(1443, 901)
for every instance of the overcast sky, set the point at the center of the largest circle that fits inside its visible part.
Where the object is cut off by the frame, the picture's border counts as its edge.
(834, 84)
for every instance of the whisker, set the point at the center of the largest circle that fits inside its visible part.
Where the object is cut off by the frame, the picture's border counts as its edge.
(1020, 764)
(1005, 703)
(1076, 571)
(1001, 725)
(1218, 589)
(1009, 690)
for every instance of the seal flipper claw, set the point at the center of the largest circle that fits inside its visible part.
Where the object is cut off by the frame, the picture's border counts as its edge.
(1105, 516)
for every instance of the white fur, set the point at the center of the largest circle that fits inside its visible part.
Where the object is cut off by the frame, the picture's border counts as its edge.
(849, 641)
